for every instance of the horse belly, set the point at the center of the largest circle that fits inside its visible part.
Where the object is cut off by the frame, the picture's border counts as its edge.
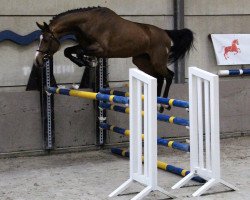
(128, 45)
(128, 50)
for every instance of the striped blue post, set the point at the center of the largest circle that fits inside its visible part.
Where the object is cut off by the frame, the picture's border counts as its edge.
(234, 72)
(160, 100)
(114, 107)
(162, 165)
(173, 102)
(173, 120)
(114, 92)
(89, 95)
(119, 97)
(160, 141)
(160, 117)
(173, 144)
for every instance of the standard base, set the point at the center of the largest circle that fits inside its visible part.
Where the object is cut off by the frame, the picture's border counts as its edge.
(142, 194)
(205, 187)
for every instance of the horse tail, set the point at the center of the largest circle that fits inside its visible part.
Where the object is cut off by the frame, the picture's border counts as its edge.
(183, 42)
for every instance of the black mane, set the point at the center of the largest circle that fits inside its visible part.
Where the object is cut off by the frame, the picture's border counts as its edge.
(73, 11)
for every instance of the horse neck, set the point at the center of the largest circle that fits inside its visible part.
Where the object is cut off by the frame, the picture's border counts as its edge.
(62, 27)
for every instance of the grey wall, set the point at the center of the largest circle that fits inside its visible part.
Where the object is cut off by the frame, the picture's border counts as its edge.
(21, 18)
(20, 127)
(74, 118)
(207, 17)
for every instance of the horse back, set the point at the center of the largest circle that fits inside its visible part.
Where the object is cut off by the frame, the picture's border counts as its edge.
(120, 37)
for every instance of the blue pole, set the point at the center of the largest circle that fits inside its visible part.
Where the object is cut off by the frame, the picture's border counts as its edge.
(160, 141)
(162, 165)
(160, 100)
(160, 117)
(89, 95)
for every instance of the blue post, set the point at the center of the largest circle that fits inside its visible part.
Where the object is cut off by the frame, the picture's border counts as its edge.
(160, 117)
(89, 95)
(160, 100)
(162, 165)
(160, 141)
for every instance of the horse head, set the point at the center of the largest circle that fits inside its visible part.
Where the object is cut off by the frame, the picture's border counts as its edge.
(236, 41)
(49, 44)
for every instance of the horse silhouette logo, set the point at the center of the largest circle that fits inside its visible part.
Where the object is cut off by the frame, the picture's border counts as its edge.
(233, 48)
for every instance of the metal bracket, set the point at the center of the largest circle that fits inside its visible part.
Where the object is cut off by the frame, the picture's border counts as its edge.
(47, 104)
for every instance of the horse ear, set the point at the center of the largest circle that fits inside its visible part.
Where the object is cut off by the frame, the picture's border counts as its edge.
(46, 27)
(40, 26)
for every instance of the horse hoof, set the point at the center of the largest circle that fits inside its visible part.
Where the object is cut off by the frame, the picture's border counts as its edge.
(168, 107)
(161, 109)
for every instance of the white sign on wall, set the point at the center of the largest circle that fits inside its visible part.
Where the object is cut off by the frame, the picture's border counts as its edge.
(231, 49)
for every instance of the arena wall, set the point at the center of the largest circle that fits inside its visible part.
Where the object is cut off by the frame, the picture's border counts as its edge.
(20, 120)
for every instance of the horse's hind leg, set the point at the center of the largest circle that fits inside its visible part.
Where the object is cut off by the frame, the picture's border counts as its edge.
(160, 83)
(144, 64)
(159, 61)
(169, 78)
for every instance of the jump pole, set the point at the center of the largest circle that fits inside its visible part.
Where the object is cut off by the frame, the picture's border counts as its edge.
(116, 97)
(234, 72)
(160, 100)
(160, 141)
(160, 117)
(88, 95)
(161, 165)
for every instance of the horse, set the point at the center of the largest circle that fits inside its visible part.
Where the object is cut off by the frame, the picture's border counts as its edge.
(100, 32)
(233, 48)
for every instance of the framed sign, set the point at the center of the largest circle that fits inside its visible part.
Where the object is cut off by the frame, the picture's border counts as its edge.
(231, 49)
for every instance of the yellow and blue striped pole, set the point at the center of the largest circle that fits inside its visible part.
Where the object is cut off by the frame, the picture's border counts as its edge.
(160, 141)
(162, 165)
(160, 117)
(160, 100)
(88, 95)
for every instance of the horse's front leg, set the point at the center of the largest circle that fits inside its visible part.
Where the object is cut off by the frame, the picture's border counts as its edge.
(79, 52)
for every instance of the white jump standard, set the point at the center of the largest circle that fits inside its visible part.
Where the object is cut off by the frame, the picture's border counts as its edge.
(148, 175)
(202, 82)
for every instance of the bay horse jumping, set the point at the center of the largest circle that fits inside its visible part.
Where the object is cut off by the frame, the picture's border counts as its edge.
(233, 48)
(100, 32)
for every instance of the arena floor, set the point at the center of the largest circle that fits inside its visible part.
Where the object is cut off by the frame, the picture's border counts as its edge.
(93, 175)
